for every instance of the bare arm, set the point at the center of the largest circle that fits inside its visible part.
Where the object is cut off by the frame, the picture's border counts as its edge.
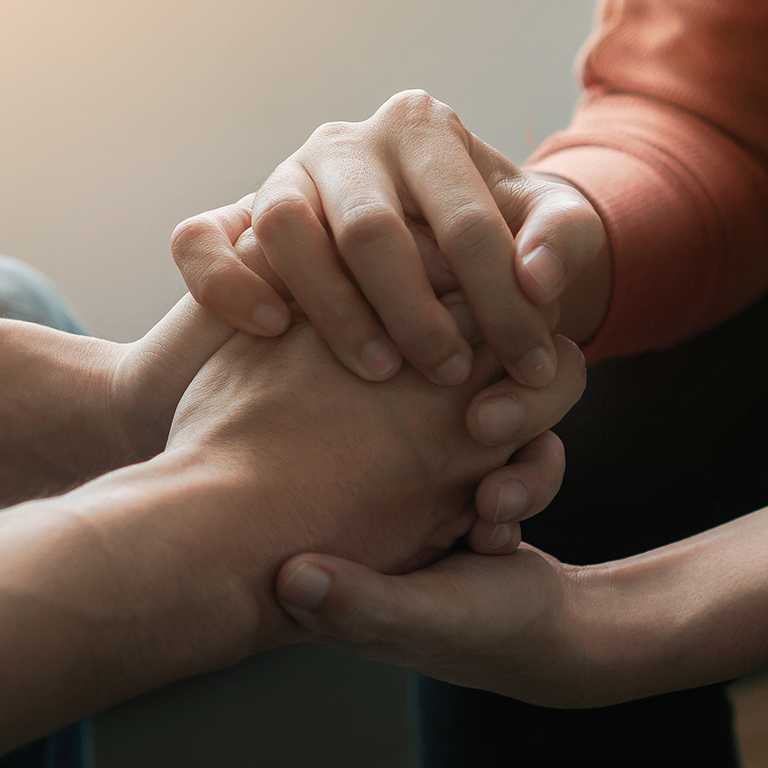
(166, 568)
(73, 408)
(530, 627)
(58, 427)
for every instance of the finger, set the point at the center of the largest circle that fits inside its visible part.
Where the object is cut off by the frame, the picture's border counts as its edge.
(507, 412)
(459, 310)
(560, 236)
(179, 345)
(562, 251)
(365, 214)
(203, 249)
(476, 242)
(524, 487)
(188, 333)
(250, 252)
(355, 604)
(299, 250)
(494, 538)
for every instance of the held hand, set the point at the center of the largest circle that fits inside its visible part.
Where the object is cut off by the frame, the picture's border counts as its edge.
(368, 224)
(149, 376)
(383, 474)
(500, 624)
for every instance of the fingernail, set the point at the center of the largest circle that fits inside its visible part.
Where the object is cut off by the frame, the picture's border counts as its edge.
(499, 419)
(536, 368)
(547, 270)
(501, 535)
(271, 320)
(307, 587)
(379, 358)
(454, 371)
(512, 501)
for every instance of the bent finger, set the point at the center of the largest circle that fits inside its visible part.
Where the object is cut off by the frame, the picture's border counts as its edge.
(507, 412)
(526, 485)
(479, 248)
(300, 251)
(560, 236)
(494, 538)
(365, 214)
(203, 249)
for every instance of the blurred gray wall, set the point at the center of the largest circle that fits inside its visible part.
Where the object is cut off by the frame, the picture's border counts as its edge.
(120, 119)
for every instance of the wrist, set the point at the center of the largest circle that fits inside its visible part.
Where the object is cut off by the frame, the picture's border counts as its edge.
(58, 425)
(122, 586)
(677, 617)
(193, 542)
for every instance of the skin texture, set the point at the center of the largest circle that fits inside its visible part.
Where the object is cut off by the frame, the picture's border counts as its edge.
(95, 405)
(166, 568)
(396, 211)
(530, 627)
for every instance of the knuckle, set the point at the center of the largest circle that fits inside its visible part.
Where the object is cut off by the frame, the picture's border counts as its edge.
(330, 132)
(417, 108)
(279, 212)
(366, 223)
(471, 233)
(187, 232)
(208, 287)
(411, 100)
(577, 223)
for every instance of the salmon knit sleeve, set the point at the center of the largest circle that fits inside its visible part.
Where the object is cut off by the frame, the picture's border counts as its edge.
(670, 144)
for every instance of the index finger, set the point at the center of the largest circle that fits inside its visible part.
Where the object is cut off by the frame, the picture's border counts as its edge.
(203, 248)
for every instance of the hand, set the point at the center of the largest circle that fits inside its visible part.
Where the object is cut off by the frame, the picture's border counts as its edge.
(369, 223)
(95, 405)
(500, 624)
(148, 377)
(382, 474)
(527, 626)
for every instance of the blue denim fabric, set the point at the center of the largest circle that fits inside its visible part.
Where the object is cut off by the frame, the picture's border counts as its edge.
(26, 295)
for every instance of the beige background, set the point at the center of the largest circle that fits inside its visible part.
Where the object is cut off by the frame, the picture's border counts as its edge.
(120, 119)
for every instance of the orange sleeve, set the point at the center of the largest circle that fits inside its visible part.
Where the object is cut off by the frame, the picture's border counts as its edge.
(670, 144)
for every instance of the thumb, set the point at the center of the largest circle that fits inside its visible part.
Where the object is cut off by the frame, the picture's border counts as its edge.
(183, 341)
(154, 371)
(355, 604)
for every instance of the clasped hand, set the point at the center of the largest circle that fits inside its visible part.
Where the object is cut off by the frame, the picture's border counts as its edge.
(402, 236)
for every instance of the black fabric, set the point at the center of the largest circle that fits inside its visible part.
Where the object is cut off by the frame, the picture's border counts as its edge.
(662, 446)
(688, 728)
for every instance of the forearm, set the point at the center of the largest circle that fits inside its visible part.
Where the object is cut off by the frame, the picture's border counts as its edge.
(55, 426)
(116, 589)
(685, 615)
(73, 408)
